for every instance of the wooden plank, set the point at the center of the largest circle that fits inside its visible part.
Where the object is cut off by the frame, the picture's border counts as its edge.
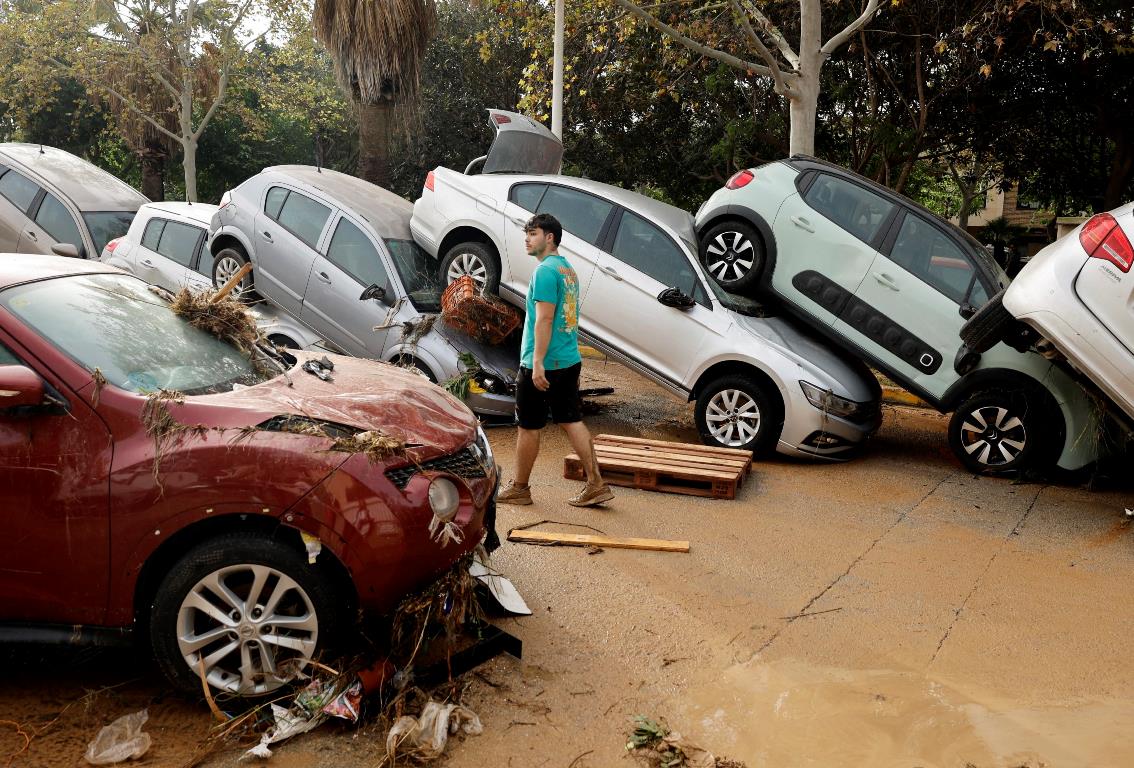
(664, 456)
(650, 480)
(692, 473)
(590, 540)
(696, 448)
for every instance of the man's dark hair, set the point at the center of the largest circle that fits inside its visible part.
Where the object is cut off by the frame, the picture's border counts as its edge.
(547, 223)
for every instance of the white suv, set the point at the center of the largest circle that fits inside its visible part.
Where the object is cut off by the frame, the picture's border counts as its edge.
(758, 382)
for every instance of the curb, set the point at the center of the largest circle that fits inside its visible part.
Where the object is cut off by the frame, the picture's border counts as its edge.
(898, 396)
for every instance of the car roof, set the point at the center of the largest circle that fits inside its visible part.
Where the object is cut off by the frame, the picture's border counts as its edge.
(89, 187)
(17, 268)
(388, 213)
(202, 213)
(680, 221)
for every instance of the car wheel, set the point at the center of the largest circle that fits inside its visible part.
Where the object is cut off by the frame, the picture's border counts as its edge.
(988, 326)
(250, 607)
(413, 364)
(999, 432)
(227, 263)
(733, 253)
(475, 260)
(737, 412)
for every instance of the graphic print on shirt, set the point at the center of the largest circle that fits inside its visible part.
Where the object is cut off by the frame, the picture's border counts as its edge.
(570, 300)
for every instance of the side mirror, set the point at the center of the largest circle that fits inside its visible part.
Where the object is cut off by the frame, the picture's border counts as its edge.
(676, 298)
(65, 249)
(20, 386)
(377, 292)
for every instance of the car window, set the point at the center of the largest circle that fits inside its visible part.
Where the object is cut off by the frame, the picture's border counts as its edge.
(923, 250)
(178, 242)
(304, 217)
(152, 234)
(104, 226)
(647, 249)
(580, 214)
(18, 189)
(527, 196)
(420, 274)
(54, 218)
(114, 324)
(274, 201)
(7, 357)
(978, 296)
(352, 252)
(854, 208)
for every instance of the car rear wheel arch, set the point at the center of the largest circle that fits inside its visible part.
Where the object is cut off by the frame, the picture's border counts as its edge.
(227, 241)
(745, 215)
(170, 551)
(405, 360)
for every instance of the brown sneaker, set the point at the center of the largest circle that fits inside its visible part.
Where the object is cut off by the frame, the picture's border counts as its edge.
(591, 495)
(513, 494)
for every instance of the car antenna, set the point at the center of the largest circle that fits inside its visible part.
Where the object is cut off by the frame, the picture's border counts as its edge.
(41, 149)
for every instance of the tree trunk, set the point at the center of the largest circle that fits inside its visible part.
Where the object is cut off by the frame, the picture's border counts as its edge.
(967, 196)
(1121, 171)
(152, 159)
(189, 148)
(375, 123)
(806, 101)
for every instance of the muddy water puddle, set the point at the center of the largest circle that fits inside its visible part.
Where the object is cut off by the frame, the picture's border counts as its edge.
(787, 713)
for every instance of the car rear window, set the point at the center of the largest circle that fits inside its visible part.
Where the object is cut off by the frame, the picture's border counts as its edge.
(178, 242)
(274, 201)
(527, 196)
(152, 234)
(18, 189)
(854, 208)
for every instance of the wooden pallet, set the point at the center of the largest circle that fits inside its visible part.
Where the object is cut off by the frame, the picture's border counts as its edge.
(657, 465)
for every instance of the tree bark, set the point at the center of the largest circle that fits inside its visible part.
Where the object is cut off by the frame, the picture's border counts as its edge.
(189, 162)
(805, 101)
(375, 125)
(1121, 171)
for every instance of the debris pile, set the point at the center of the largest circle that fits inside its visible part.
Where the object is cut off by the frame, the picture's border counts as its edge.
(653, 741)
(482, 316)
(224, 317)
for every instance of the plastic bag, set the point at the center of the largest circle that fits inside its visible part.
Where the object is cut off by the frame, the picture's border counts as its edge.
(121, 740)
(425, 737)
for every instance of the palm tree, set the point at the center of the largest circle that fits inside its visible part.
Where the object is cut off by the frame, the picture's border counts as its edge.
(378, 47)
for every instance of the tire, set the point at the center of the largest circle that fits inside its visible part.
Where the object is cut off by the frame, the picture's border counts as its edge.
(736, 411)
(227, 263)
(476, 260)
(178, 626)
(989, 326)
(733, 253)
(1001, 431)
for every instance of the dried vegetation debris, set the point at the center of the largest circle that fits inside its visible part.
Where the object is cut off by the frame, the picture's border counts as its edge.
(225, 318)
(653, 741)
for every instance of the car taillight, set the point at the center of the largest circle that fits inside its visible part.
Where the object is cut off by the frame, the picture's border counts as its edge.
(1102, 238)
(740, 179)
(113, 244)
(501, 119)
(429, 181)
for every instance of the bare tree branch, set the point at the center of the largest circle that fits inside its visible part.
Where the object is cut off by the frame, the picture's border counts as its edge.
(693, 45)
(222, 88)
(782, 88)
(837, 41)
(774, 34)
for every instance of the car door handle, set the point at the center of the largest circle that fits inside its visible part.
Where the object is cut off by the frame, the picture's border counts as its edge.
(612, 272)
(518, 221)
(802, 223)
(31, 234)
(323, 277)
(886, 280)
(147, 263)
(267, 236)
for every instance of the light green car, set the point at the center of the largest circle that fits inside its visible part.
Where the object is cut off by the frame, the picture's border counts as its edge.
(890, 282)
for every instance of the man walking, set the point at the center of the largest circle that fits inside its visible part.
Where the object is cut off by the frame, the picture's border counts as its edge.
(550, 365)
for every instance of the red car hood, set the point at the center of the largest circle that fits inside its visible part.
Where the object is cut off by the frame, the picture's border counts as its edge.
(363, 394)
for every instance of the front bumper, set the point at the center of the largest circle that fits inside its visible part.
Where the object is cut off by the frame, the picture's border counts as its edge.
(813, 433)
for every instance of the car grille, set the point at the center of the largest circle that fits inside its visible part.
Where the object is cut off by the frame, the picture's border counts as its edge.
(465, 463)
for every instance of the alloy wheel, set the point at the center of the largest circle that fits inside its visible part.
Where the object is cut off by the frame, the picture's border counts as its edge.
(993, 435)
(733, 417)
(468, 264)
(729, 256)
(251, 626)
(226, 267)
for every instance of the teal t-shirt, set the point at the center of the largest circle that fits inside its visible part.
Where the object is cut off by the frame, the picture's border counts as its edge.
(555, 282)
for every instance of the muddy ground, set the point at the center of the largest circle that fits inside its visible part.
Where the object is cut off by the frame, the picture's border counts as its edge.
(891, 611)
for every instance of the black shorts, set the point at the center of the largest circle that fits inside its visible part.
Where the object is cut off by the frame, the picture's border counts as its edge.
(561, 398)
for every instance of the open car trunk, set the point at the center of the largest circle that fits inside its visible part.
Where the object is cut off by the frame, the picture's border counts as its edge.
(522, 145)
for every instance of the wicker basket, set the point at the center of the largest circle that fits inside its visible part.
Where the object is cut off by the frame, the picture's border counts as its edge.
(486, 318)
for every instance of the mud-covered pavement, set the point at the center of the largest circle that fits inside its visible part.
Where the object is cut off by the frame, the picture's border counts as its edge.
(891, 611)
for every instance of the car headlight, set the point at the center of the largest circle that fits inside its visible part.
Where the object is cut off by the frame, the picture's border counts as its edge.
(481, 445)
(444, 499)
(828, 402)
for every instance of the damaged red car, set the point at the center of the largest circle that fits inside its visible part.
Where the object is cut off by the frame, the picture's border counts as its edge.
(236, 509)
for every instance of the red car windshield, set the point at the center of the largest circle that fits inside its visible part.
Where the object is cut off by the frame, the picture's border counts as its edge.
(116, 324)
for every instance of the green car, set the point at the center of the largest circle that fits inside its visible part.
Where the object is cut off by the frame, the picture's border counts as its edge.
(892, 283)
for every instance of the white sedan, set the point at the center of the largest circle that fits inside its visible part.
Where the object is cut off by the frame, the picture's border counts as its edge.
(1078, 295)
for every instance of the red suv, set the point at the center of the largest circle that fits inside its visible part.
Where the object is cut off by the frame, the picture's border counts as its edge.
(222, 523)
